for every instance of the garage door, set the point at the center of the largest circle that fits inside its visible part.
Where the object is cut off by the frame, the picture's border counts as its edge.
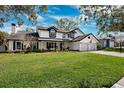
(87, 46)
(91, 46)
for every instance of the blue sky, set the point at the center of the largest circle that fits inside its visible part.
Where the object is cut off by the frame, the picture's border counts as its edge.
(54, 13)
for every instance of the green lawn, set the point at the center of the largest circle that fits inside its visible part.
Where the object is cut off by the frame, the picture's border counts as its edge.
(64, 69)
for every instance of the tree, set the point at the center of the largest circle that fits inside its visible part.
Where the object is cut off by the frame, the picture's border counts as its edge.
(3, 36)
(16, 12)
(67, 24)
(30, 29)
(108, 18)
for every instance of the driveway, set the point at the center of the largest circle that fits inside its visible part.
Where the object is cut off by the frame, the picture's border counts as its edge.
(119, 84)
(109, 53)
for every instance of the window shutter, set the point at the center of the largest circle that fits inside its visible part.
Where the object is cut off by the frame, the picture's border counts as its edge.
(14, 45)
(22, 46)
(37, 45)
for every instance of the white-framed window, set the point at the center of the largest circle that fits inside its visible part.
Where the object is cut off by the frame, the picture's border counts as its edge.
(51, 45)
(18, 45)
(52, 33)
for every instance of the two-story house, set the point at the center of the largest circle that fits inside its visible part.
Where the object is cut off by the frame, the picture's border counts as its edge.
(51, 38)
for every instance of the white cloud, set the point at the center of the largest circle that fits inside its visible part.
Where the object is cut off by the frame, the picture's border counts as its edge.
(40, 18)
(23, 27)
(74, 18)
(43, 24)
(53, 9)
(50, 11)
(6, 29)
(58, 17)
(73, 6)
(93, 23)
(56, 8)
(18, 28)
(7, 26)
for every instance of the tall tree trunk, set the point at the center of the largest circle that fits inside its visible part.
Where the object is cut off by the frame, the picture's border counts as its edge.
(120, 47)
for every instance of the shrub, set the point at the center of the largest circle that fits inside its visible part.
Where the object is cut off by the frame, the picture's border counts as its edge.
(114, 49)
(42, 50)
(28, 49)
(99, 47)
(37, 50)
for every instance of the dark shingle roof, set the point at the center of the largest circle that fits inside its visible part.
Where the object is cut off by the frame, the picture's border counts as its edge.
(77, 29)
(34, 34)
(58, 29)
(82, 37)
(21, 35)
(42, 28)
(49, 28)
(79, 38)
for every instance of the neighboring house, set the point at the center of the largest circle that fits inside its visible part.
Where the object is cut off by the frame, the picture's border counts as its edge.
(51, 38)
(119, 39)
(107, 42)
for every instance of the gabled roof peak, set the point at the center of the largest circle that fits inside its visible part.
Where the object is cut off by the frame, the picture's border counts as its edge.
(77, 29)
(58, 29)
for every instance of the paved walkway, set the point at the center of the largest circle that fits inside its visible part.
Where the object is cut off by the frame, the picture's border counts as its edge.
(119, 84)
(109, 53)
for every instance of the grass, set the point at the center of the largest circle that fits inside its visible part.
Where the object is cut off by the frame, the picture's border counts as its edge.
(64, 69)
(114, 49)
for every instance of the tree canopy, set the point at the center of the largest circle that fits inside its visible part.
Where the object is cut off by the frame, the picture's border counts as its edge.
(3, 36)
(16, 12)
(29, 29)
(108, 18)
(67, 24)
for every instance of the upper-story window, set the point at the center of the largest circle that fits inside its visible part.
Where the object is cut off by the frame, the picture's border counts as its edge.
(52, 33)
(70, 35)
(18, 45)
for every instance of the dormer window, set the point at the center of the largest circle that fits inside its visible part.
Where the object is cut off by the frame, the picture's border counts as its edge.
(72, 35)
(52, 33)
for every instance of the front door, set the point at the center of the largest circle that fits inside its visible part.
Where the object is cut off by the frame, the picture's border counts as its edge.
(107, 43)
(61, 46)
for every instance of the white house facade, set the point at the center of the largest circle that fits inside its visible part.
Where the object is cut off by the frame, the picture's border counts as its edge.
(51, 38)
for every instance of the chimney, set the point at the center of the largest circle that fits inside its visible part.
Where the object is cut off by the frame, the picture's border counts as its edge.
(13, 28)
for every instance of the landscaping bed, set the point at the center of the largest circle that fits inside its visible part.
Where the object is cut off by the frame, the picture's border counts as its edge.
(114, 49)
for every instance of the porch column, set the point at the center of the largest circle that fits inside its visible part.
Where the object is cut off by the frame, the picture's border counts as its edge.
(58, 45)
(40, 45)
(10, 45)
